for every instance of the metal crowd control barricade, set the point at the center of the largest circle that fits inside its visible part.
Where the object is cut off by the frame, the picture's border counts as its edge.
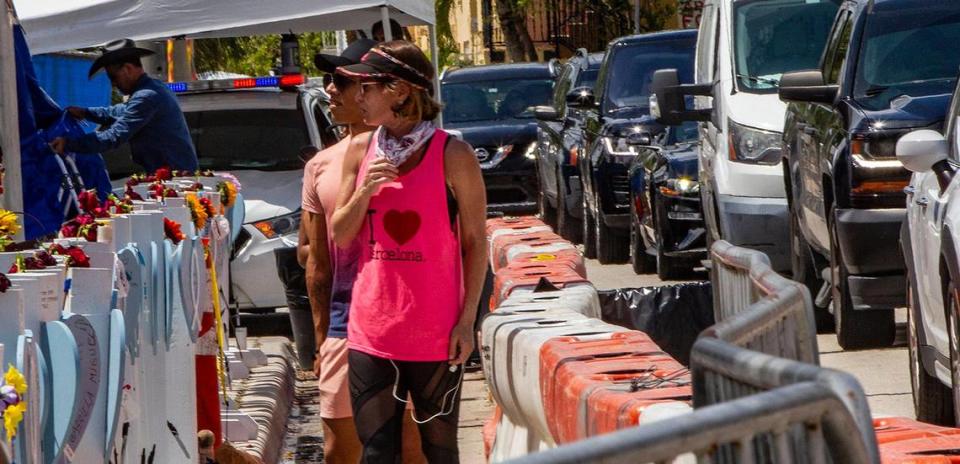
(759, 395)
(780, 320)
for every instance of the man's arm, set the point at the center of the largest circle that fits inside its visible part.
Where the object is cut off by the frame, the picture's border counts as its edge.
(104, 115)
(319, 277)
(303, 241)
(136, 113)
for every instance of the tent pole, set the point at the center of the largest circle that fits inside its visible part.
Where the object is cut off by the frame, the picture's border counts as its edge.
(385, 18)
(9, 118)
(435, 54)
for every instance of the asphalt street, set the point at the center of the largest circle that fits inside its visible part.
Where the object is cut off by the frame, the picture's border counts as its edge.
(884, 373)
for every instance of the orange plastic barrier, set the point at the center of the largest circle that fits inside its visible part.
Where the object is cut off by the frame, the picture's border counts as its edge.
(490, 431)
(596, 386)
(571, 257)
(501, 245)
(509, 278)
(512, 223)
(903, 440)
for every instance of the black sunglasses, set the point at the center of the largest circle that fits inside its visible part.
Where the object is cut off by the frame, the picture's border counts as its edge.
(339, 81)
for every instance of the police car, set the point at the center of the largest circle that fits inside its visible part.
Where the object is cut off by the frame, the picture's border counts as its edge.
(262, 130)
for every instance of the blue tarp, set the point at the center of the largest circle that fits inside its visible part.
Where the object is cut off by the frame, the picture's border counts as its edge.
(45, 177)
(64, 78)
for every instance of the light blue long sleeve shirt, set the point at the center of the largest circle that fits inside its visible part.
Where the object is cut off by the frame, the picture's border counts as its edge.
(151, 121)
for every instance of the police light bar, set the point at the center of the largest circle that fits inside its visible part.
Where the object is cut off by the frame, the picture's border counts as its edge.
(285, 81)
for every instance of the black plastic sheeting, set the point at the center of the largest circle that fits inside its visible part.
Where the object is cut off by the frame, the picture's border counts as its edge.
(673, 316)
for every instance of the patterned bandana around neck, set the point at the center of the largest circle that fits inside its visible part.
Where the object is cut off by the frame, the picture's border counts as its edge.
(397, 151)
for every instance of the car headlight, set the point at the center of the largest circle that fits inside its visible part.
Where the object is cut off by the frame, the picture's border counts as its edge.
(280, 225)
(531, 151)
(680, 187)
(754, 146)
(618, 146)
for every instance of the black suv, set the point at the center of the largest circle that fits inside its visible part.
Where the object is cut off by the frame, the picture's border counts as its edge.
(559, 136)
(887, 69)
(493, 106)
(617, 117)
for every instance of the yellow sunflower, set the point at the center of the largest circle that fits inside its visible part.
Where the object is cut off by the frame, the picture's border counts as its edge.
(8, 227)
(228, 193)
(15, 379)
(197, 212)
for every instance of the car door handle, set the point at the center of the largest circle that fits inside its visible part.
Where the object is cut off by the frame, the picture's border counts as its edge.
(922, 201)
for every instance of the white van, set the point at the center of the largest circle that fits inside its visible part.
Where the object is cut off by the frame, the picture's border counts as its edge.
(744, 46)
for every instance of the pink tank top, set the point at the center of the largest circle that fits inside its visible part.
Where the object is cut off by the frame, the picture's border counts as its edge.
(409, 293)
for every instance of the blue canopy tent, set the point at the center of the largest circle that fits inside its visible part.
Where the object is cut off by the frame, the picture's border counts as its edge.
(49, 194)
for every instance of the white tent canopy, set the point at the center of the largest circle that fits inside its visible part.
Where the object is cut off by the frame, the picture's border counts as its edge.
(57, 25)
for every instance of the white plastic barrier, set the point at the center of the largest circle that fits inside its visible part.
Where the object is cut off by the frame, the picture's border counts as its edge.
(520, 248)
(581, 297)
(525, 359)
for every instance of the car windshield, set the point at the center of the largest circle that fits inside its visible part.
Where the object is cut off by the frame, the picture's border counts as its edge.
(587, 78)
(494, 99)
(908, 52)
(779, 36)
(632, 66)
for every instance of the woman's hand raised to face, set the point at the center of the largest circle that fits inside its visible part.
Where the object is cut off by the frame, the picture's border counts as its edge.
(379, 172)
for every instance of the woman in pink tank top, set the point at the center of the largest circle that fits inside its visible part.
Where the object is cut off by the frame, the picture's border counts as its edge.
(416, 202)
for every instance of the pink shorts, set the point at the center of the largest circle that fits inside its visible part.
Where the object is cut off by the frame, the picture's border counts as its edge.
(334, 380)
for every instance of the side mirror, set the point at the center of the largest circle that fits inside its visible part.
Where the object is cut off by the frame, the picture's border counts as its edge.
(581, 98)
(639, 139)
(925, 150)
(807, 87)
(668, 96)
(546, 113)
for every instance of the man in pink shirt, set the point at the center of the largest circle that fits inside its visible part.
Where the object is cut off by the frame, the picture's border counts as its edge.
(331, 270)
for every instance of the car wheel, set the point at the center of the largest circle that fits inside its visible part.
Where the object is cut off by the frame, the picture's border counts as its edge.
(804, 270)
(641, 262)
(932, 400)
(589, 231)
(668, 267)
(547, 213)
(856, 329)
(568, 226)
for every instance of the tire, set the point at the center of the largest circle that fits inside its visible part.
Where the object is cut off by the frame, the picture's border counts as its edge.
(612, 246)
(932, 400)
(589, 231)
(568, 226)
(804, 270)
(640, 261)
(547, 213)
(953, 327)
(856, 329)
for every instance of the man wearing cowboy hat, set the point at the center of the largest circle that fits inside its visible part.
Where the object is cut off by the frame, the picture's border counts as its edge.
(150, 120)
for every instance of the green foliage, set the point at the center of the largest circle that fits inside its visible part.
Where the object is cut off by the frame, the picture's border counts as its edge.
(256, 55)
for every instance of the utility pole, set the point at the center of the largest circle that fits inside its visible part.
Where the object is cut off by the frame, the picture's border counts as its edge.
(636, 16)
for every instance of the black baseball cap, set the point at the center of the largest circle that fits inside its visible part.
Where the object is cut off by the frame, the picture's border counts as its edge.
(351, 55)
(378, 64)
(116, 52)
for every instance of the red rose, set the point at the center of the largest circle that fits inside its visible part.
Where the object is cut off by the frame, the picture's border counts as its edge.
(77, 257)
(4, 283)
(33, 264)
(69, 229)
(85, 219)
(88, 200)
(131, 195)
(90, 233)
(170, 193)
(163, 174)
(58, 249)
(13, 269)
(46, 258)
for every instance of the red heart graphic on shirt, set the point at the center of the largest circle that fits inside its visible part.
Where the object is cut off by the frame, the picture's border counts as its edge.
(401, 226)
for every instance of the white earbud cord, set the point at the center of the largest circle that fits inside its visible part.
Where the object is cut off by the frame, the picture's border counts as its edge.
(443, 404)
